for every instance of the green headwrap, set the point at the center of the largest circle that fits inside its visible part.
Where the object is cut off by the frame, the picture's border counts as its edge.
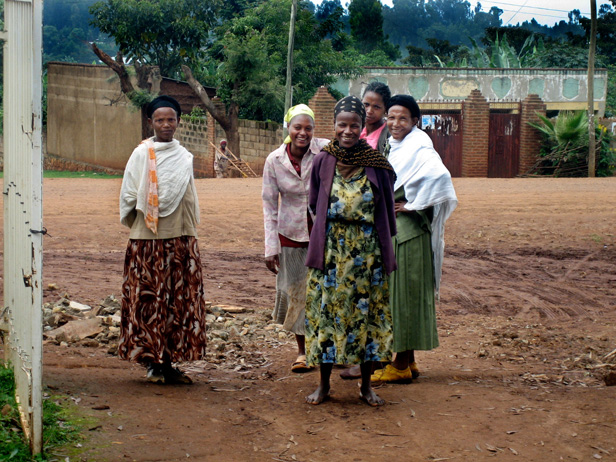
(300, 109)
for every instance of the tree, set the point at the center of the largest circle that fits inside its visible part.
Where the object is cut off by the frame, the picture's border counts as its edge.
(366, 20)
(332, 23)
(164, 33)
(157, 37)
(565, 149)
(67, 32)
(251, 65)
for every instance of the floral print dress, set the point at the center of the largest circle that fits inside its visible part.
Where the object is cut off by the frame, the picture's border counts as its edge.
(348, 318)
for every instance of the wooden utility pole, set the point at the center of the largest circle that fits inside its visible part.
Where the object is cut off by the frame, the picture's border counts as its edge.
(591, 90)
(288, 97)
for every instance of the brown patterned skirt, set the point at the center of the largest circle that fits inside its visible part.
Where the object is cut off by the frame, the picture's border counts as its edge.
(163, 301)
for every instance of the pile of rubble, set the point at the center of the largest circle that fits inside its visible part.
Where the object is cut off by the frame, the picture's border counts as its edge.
(555, 356)
(237, 336)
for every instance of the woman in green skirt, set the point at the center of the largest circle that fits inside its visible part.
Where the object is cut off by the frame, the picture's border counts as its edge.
(425, 198)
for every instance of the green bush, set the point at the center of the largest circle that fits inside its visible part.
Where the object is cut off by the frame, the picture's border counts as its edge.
(564, 152)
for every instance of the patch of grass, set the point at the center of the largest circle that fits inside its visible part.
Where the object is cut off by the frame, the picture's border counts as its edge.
(59, 429)
(56, 174)
(596, 238)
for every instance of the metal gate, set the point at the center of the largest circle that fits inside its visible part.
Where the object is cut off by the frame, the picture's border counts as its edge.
(504, 145)
(445, 129)
(22, 194)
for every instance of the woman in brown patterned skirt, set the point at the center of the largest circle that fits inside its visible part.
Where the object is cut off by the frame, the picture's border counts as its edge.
(163, 300)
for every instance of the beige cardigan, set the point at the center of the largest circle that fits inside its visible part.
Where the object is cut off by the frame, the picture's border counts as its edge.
(182, 222)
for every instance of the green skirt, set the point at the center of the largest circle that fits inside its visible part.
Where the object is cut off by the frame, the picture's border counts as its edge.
(412, 284)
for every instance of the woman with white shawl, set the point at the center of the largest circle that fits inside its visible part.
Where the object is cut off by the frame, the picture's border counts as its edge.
(425, 198)
(163, 300)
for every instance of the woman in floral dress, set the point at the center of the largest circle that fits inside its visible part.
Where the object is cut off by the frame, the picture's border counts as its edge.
(350, 255)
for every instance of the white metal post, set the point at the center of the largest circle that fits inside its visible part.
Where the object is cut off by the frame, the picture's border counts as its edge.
(23, 191)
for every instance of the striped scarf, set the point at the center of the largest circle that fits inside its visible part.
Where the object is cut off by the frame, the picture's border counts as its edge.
(361, 155)
(151, 215)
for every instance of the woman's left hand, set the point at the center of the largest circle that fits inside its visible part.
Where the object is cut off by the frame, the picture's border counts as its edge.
(399, 207)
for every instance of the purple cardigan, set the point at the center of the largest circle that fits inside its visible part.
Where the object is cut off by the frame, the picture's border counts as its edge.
(323, 170)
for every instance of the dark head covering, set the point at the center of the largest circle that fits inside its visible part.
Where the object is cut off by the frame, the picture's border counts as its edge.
(406, 101)
(351, 104)
(163, 101)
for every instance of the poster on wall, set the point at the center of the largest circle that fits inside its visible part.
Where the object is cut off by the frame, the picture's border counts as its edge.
(427, 122)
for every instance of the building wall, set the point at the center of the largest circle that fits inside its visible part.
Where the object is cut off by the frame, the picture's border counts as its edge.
(88, 119)
(560, 89)
(257, 140)
(91, 126)
(193, 135)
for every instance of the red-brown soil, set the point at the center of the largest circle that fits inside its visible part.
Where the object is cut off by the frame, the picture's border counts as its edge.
(527, 319)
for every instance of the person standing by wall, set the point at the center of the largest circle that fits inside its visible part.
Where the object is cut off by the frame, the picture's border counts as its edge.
(220, 160)
(163, 299)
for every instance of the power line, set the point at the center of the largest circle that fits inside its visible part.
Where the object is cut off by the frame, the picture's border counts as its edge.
(532, 7)
(514, 14)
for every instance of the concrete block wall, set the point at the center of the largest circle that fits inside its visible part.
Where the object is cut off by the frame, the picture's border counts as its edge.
(530, 138)
(193, 135)
(476, 133)
(257, 140)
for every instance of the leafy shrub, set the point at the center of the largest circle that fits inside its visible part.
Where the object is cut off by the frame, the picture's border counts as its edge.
(565, 149)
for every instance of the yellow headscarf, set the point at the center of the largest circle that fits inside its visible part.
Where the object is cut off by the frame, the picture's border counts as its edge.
(300, 109)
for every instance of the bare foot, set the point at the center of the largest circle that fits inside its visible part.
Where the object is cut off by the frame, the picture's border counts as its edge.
(371, 398)
(320, 394)
(353, 372)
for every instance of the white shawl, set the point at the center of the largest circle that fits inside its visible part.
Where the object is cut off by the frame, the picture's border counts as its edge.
(174, 170)
(427, 183)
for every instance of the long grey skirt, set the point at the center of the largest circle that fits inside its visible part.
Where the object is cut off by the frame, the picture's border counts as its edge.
(290, 307)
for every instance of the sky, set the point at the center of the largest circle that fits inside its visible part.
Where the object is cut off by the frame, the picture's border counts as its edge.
(549, 13)
(518, 11)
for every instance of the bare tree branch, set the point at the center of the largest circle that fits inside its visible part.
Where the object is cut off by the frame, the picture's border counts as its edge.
(218, 115)
(117, 66)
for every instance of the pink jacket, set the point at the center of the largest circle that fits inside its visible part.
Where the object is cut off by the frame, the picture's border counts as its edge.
(285, 196)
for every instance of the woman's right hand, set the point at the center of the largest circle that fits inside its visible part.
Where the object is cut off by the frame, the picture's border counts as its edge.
(272, 263)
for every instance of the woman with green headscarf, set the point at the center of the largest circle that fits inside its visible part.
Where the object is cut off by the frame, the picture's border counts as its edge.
(286, 181)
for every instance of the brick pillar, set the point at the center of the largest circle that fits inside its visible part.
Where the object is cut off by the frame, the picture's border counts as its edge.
(530, 138)
(322, 103)
(475, 135)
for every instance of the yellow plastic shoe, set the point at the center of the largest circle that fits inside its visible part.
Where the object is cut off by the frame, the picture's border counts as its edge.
(392, 375)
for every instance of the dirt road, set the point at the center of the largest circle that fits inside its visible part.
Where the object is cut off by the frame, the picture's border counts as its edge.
(527, 319)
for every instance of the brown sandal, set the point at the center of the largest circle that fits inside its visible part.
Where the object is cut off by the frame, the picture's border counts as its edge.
(300, 365)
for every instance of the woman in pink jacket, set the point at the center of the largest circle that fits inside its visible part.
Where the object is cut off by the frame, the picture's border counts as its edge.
(286, 180)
